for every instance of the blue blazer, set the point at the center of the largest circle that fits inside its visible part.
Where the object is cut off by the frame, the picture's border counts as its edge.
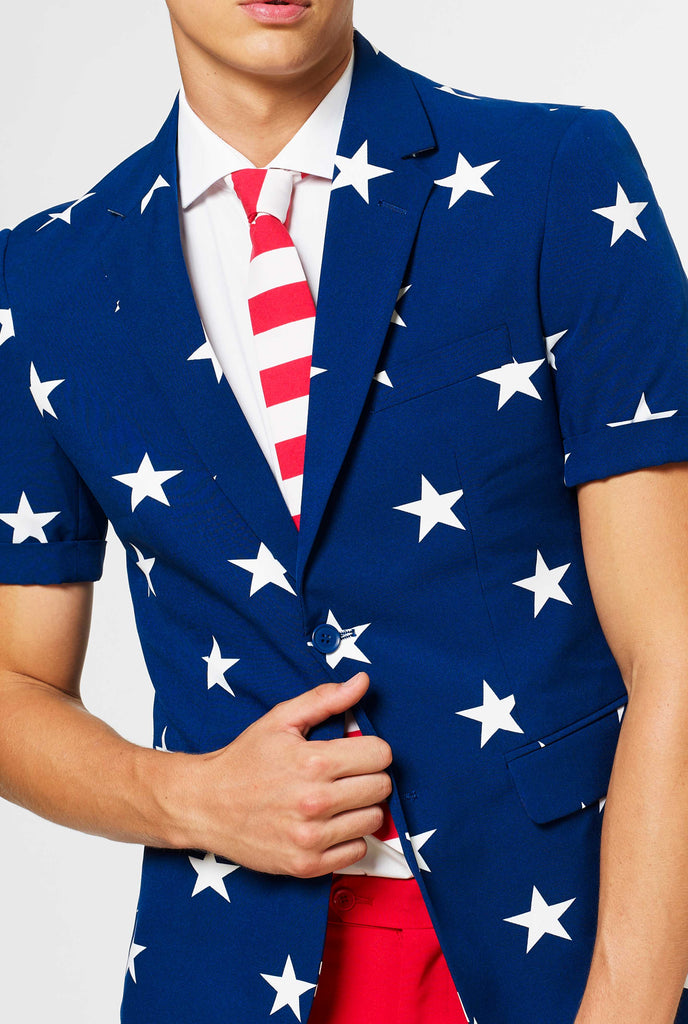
(502, 316)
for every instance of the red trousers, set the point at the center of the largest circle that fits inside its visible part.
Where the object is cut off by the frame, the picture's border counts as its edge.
(382, 962)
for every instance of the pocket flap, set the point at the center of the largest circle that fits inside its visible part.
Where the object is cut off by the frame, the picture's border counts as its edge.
(571, 768)
(440, 367)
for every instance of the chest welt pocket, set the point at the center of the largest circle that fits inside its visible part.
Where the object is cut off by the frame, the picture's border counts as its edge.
(440, 367)
(571, 770)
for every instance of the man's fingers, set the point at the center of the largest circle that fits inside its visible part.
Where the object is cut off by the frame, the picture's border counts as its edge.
(363, 791)
(352, 825)
(320, 703)
(348, 756)
(343, 856)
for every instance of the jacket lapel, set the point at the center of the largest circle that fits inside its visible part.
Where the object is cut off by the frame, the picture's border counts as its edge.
(367, 247)
(160, 325)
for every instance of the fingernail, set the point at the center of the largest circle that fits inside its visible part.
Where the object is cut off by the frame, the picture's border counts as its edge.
(350, 682)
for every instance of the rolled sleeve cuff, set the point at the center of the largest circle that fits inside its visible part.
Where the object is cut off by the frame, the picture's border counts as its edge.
(73, 561)
(610, 451)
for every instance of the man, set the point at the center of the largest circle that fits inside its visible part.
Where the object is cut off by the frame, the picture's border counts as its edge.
(498, 302)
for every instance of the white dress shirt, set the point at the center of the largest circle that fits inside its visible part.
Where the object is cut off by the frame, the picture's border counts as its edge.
(217, 248)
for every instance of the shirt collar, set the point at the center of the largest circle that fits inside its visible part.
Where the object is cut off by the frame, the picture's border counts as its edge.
(203, 157)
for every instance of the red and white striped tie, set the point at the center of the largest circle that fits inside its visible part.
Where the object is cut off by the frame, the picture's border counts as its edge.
(282, 315)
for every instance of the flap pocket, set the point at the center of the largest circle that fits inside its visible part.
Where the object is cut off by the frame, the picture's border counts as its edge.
(449, 364)
(571, 770)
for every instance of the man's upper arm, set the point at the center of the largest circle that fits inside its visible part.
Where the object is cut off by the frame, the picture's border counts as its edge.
(635, 539)
(45, 632)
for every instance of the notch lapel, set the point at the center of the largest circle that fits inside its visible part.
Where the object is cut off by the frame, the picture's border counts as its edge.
(367, 248)
(159, 324)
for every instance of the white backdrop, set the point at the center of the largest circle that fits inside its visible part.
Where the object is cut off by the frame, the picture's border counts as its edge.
(82, 84)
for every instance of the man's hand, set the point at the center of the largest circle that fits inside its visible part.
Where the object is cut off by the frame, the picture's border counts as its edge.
(272, 800)
(276, 802)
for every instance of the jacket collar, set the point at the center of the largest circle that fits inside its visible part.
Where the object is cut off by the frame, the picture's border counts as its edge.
(142, 254)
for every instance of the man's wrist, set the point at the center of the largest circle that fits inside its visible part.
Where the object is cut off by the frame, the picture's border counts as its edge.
(170, 783)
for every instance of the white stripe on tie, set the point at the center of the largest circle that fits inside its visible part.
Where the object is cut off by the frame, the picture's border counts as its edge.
(282, 344)
(292, 489)
(288, 418)
(273, 269)
(275, 194)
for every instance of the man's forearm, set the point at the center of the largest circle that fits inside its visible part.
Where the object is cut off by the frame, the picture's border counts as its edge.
(270, 800)
(641, 952)
(61, 762)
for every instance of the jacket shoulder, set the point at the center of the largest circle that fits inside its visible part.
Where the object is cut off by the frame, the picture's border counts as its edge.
(61, 235)
(534, 126)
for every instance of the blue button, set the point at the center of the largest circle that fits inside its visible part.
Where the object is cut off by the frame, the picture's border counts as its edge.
(326, 638)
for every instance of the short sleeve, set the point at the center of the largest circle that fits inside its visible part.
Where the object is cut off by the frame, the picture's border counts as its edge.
(614, 303)
(52, 530)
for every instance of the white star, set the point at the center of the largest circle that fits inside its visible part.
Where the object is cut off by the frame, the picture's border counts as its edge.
(159, 183)
(41, 390)
(264, 569)
(418, 842)
(217, 666)
(146, 566)
(514, 378)
(550, 342)
(147, 482)
(206, 351)
(396, 319)
(64, 215)
(542, 919)
(433, 508)
(544, 584)
(316, 370)
(348, 647)
(383, 378)
(493, 714)
(356, 171)
(134, 951)
(27, 523)
(288, 988)
(624, 216)
(453, 92)
(6, 325)
(643, 414)
(163, 741)
(211, 875)
(466, 179)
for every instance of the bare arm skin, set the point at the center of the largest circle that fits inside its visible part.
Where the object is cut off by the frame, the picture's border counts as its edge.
(635, 537)
(271, 800)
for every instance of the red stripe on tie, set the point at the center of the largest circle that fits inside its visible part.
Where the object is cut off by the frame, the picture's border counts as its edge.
(291, 455)
(250, 183)
(278, 306)
(286, 381)
(297, 521)
(268, 233)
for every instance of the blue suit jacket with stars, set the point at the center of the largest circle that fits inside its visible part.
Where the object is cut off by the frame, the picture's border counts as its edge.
(502, 316)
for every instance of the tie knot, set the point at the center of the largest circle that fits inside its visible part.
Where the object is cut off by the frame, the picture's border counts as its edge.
(265, 190)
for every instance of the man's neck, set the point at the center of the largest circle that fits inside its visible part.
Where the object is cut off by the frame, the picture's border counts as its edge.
(258, 116)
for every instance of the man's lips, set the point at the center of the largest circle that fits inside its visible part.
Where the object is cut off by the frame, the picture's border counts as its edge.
(275, 12)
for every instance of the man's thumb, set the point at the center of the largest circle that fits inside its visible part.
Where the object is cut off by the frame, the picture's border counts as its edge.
(317, 705)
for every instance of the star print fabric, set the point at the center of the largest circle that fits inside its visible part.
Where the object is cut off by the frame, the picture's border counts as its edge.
(52, 529)
(614, 302)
